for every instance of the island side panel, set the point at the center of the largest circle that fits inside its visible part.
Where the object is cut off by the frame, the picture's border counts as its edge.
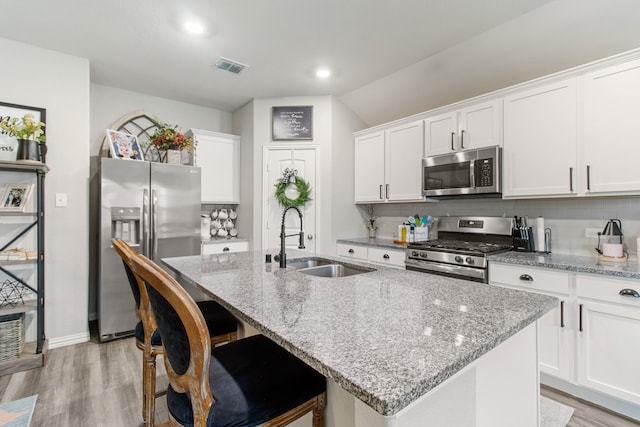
(500, 389)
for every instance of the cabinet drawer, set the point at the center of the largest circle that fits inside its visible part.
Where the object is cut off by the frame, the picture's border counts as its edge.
(386, 257)
(607, 289)
(352, 251)
(535, 279)
(224, 247)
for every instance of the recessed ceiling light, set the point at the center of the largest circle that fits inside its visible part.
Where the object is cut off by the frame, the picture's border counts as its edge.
(323, 73)
(194, 27)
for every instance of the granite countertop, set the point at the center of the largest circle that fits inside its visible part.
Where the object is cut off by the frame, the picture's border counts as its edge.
(379, 242)
(578, 264)
(388, 336)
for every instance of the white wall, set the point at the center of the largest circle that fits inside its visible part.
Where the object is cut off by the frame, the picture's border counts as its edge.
(333, 125)
(60, 83)
(345, 216)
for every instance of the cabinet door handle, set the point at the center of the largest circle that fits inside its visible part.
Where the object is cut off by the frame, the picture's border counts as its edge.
(588, 177)
(562, 314)
(580, 317)
(386, 191)
(225, 249)
(629, 293)
(462, 139)
(526, 278)
(453, 147)
(381, 198)
(350, 251)
(571, 179)
(385, 256)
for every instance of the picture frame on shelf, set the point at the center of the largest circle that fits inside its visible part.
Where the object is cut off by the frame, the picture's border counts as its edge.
(15, 197)
(292, 123)
(9, 144)
(123, 145)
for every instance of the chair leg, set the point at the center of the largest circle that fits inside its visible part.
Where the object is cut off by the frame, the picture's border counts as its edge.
(318, 410)
(149, 389)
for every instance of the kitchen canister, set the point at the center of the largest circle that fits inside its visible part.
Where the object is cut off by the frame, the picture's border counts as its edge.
(205, 226)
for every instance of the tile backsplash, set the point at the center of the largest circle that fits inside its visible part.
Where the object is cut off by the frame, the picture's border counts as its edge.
(567, 218)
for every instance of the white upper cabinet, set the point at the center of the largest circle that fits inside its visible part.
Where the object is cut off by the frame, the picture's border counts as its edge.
(471, 127)
(369, 167)
(540, 140)
(403, 153)
(218, 156)
(388, 164)
(611, 140)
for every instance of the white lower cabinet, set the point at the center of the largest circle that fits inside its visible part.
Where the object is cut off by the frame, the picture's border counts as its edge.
(609, 336)
(222, 247)
(591, 341)
(555, 329)
(375, 255)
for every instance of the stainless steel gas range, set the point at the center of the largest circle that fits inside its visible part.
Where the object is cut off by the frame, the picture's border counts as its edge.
(462, 247)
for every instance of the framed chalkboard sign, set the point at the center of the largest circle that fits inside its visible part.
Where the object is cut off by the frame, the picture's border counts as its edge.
(289, 123)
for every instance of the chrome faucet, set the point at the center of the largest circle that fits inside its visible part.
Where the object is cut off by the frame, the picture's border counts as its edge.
(283, 255)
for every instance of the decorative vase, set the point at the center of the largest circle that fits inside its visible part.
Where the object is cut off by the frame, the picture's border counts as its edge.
(372, 233)
(28, 151)
(174, 157)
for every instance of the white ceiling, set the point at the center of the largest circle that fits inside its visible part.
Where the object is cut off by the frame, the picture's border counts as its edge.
(390, 58)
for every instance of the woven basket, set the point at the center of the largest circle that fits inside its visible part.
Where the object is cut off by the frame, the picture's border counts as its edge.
(11, 336)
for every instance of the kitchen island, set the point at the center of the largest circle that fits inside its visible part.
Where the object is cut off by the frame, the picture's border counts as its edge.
(409, 346)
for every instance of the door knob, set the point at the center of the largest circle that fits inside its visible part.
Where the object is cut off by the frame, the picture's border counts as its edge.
(310, 236)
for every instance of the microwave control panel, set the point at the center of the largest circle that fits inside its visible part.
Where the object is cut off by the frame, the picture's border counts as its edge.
(484, 172)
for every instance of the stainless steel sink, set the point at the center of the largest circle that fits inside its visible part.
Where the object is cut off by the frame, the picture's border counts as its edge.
(299, 263)
(335, 270)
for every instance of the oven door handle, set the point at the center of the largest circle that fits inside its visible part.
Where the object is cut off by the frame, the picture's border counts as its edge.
(427, 266)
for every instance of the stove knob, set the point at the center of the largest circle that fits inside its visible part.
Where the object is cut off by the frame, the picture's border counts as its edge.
(458, 259)
(469, 260)
(414, 253)
(423, 254)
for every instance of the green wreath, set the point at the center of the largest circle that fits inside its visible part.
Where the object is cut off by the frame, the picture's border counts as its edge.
(304, 191)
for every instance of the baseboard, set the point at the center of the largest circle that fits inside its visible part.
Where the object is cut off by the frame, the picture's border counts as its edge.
(600, 399)
(69, 340)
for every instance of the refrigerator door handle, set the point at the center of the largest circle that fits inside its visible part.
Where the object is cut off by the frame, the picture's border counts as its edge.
(153, 253)
(145, 222)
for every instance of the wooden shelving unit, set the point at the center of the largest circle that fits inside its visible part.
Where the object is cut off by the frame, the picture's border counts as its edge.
(33, 353)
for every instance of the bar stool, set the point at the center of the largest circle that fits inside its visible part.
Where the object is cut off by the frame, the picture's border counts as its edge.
(222, 325)
(249, 382)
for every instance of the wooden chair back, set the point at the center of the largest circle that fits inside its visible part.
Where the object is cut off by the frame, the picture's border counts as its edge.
(186, 336)
(143, 309)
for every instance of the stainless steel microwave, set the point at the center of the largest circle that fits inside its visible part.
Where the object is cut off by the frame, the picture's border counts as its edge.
(471, 172)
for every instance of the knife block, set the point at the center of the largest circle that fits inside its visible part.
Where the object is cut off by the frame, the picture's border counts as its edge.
(524, 244)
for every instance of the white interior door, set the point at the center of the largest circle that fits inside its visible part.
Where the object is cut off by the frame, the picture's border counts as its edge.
(276, 161)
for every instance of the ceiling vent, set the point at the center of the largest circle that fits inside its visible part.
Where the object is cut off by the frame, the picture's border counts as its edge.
(230, 65)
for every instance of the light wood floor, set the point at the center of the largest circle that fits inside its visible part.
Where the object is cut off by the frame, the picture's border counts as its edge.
(99, 385)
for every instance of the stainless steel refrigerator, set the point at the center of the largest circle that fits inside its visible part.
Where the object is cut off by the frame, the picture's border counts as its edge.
(155, 207)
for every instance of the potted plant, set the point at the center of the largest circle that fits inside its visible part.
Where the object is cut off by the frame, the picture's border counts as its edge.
(167, 138)
(30, 135)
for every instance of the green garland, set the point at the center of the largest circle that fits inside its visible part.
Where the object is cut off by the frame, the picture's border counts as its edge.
(304, 191)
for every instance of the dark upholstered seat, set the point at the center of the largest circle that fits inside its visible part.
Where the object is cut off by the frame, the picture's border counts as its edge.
(248, 382)
(252, 381)
(221, 323)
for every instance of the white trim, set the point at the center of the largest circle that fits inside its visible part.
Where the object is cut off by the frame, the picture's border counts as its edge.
(69, 340)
